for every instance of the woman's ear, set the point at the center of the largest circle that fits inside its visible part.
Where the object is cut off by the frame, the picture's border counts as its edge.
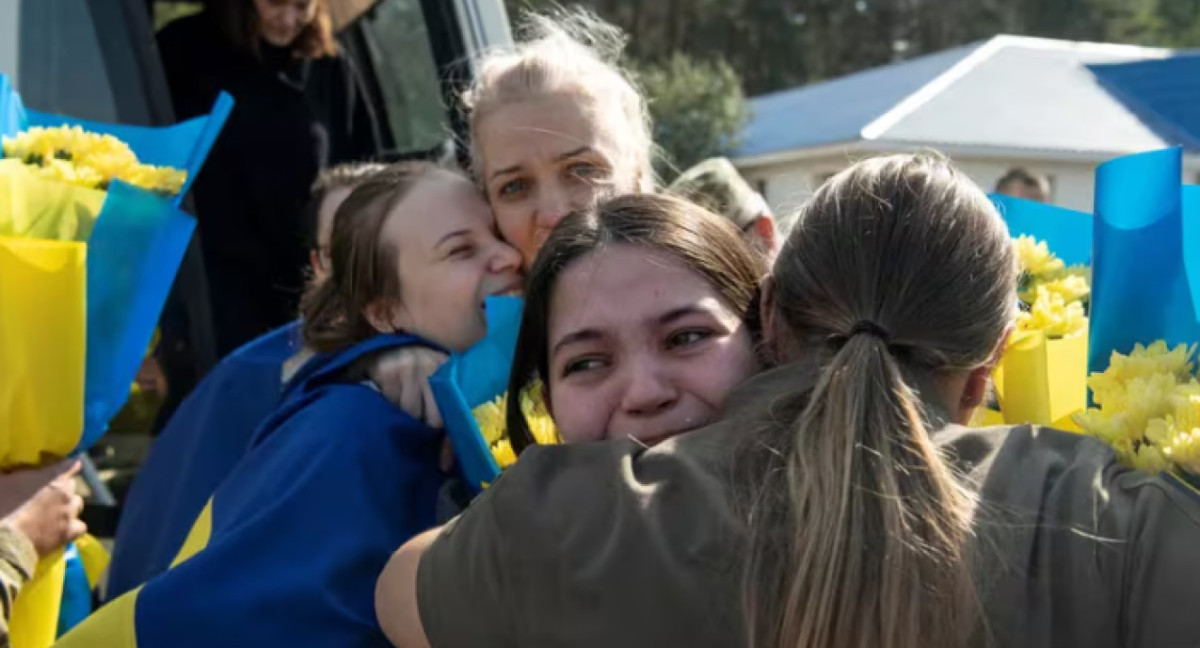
(382, 315)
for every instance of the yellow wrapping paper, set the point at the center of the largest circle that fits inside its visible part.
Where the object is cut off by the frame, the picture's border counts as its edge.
(34, 622)
(1042, 381)
(42, 341)
(32, 206)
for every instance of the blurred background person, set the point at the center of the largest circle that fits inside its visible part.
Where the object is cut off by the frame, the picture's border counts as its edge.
(300, 106)
(716, 185)
(1022, 183)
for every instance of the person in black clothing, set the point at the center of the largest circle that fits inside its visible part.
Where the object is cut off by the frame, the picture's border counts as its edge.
(299, 107)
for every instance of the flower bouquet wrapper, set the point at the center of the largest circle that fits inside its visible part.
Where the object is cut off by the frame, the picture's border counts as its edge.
(1042, 380)
(1068, 233)
(84, 274)
(1146, 276)
(473, 378)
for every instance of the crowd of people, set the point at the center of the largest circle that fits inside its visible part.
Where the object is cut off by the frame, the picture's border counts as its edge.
(763, 427)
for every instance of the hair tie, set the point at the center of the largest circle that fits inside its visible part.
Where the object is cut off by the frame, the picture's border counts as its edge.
(869, 328)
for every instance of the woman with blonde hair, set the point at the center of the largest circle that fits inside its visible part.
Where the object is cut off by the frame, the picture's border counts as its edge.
(555, 125)
(838, 503)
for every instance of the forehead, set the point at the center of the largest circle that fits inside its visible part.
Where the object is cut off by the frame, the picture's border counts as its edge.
(626, 286)
(438, 204)
(540, 129)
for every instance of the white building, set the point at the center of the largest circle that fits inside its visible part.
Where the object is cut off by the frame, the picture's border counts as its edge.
(1010, 101)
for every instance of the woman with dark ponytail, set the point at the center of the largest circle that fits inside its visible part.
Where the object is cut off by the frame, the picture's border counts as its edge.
(838, 503)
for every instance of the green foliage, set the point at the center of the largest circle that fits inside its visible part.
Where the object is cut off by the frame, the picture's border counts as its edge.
(698, 108)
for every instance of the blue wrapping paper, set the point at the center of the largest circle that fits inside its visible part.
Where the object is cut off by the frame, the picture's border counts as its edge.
(133, 253)
(1145, 252)
(134, 250)
(472, 378)
(1068, 233)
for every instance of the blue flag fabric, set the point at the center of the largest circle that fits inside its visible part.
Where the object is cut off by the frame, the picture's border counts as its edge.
(1145, 250)
(472, 378)
(336, 479)
(1068, 233)
(200, 445)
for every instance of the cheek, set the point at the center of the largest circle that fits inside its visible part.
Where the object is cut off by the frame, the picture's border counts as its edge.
(517, 228)
(714, 375)
(580, 414)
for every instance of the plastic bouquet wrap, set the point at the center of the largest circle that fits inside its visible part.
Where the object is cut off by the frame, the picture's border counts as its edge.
(91, 237)
(470, 390)
(1145, 318)
(1042, 377)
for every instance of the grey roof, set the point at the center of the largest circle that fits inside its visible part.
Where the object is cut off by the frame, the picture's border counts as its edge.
(1008, 92)
(837, 110)
(1164, 93)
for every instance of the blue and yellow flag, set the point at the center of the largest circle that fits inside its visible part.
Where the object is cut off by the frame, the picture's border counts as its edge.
(196, 451)
(288, 550)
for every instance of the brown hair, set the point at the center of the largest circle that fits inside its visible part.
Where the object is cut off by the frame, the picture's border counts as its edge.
(898, 271)
(239, 22)
(702, 241)
(568, 51)
(342, 176)
(362, 269)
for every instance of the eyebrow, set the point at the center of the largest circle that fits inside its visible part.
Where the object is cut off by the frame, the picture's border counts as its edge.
(451, 235)
(583, 335)
(569, 154)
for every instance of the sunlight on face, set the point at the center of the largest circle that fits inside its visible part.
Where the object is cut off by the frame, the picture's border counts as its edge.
(641, 347)
(546, 157)
(449, 259)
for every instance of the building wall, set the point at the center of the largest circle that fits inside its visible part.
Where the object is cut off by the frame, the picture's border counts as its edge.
(787, 186)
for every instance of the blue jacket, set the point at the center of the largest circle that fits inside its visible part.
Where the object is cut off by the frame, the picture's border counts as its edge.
(197, 449)
(288, 550)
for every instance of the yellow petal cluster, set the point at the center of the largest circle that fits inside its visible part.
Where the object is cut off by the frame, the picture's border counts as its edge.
(73, 155)
(1052, 313)
(1054, 295)
(1148, 408)
(491, 419)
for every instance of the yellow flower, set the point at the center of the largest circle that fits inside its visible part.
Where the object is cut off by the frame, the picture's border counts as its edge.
(1035, 258)
(492, 423)
(75, 156)
(1149, 408)
(1054, 315)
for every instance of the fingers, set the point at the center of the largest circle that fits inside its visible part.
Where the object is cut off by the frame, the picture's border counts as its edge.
(433, 417)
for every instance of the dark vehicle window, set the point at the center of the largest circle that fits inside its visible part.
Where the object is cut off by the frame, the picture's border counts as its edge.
(61, 67)
(398, 44)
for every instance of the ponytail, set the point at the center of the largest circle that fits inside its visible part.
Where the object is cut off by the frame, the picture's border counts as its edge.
(327, 321)
(899, 272)
(882, 517)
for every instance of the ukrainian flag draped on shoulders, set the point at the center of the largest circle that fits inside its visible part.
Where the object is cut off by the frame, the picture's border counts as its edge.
(288, 550)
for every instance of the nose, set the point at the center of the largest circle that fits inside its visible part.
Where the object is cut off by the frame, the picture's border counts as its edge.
(554, 203)
(649, 389)
(505, 259)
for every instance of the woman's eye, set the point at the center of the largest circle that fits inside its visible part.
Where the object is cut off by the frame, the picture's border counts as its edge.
(580, 365)
(462, 252)
(688, 338)
(585, 170)
(512, 187)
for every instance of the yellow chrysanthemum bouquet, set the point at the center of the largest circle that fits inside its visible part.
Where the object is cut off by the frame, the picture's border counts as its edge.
(1148, 408)
(90, 238)
(471, 393)
(1146, 314)
(1041, 377)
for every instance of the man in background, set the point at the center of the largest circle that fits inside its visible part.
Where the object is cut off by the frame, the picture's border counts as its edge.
(1022, 183)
